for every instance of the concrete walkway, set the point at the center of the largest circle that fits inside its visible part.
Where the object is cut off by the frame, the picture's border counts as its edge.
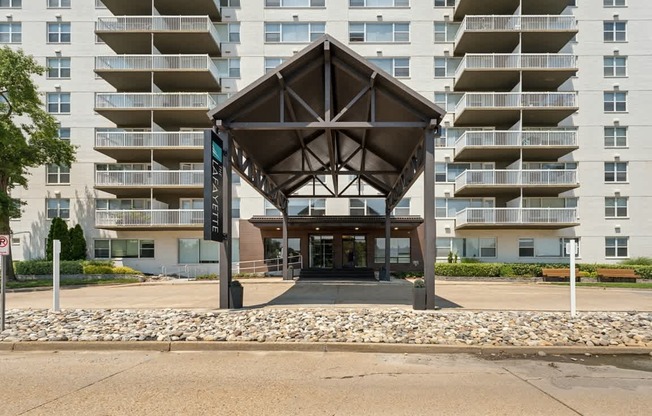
(398, 293)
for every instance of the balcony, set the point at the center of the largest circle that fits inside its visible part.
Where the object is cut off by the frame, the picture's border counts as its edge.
(465, 7)
(165, 7)
(185, 146)
(169, 34)
(535, 145)
(504, 108)
(155, 219)
(138, 183)
(130, 73)
(540, 34)
(516, 218)
(164, 109)
(511, 182)
(496, 72)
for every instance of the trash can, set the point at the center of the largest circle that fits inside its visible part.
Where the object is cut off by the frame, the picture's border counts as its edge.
(236, 293)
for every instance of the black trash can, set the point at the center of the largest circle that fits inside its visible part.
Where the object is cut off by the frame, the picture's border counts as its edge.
(236, 293)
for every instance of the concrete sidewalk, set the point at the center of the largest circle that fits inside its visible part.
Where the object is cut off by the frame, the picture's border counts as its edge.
(278, 293)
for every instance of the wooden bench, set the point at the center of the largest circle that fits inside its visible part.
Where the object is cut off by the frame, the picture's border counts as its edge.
(559, 275)
(617, 275)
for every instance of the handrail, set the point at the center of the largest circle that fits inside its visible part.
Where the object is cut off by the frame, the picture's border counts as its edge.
(509, 138)
(156, 62)
(516, 100)
(516, 177)
(511, 23)
(492, 216)
(145, 100)
(515, 61)
(141, 139)
(268, 264)
(149, 178)
(188, 269)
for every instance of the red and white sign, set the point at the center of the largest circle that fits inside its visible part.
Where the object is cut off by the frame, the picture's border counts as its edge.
(4, 245)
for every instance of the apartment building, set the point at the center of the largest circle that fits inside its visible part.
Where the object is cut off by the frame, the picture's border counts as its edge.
(544, 139)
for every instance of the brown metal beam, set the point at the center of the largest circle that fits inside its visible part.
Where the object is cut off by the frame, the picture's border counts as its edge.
(323, 125)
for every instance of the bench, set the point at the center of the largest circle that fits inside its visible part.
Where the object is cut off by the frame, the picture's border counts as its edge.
(617, 275)
(559, 275)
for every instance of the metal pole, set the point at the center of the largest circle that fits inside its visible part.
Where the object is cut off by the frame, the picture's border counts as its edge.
(225, 246)
(429, 218)
(3, 278)
(285, 246)
(572, 246)
(388, 241)
(56, 253)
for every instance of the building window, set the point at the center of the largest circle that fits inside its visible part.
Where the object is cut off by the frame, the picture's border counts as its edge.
(58, 67)
(59, 32)
(445, 32)
(526, 247)
(235, 178)
(614, 3)
(11, 4)
(271, 210)
(235, 208)
(11, 33)
(58, 174)
(64, 133)
(99, 4)
(615, 136)
(447, 172)
(402, 208)
(294, 3)
(293, 32)
(616, 246)
(230, 3)
(444, 3)
(379, 3)
(274, 248)
(447, 101)
(446, 67)
(272, 63)
(615, 31)
(59, 4)
(379, 32)
(58, 207)
(129, 204)
(234, 32)
(615, 207)
(122, 248)
(615, 172)
(228, 68)
(615, 101)
(397, 67)
(366, 206)
(307, 207)
(58, 102)
(449, 207)
(195, 250)
(399, 251)
(615, 66)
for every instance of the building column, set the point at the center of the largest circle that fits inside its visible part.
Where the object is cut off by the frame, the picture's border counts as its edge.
(284, 243)
(429, 217)
(388, 240)
(226, 245)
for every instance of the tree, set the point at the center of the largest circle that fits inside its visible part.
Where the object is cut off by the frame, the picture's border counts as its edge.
(77, 244)
(58, 231)
(28, 134)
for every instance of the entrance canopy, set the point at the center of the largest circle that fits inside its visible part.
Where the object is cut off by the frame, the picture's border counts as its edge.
(327, 111)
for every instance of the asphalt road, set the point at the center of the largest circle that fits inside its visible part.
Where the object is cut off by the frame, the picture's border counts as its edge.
(292, 383)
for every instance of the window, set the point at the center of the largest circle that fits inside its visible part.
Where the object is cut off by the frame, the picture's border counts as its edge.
(128, 204)
(615, 66)
(274, 247)
(235, 208)
(366, 206)
(466, 247)
(397, 67)
(59, 32)
(615, 172)
(449, 207)
(549, 202)
(615, 136)
(444, 3)
(64, 133)
(616, 246)
(119, 248)
(445, 32)
(99, 4)
(234, 32)
(446, 67)
(379, 32)
(526, 247)
(615, 101)
(59, 4)
(402, 208)
(228, 68)
(11, 4)
(58, 207)
(11, 33)
(447, 101)
(293, 32)
(58, 67)
(230, 3)
(379, 3)
(399, 250)
(614, 3)
(15, 241)
(294, 3)
(271, 63)
(270, 210)
(57, 174)
(447, 172)
(58, 102)
(235, 178)
(615, 207)
(194, 250)
(307, 207)
(615, 31)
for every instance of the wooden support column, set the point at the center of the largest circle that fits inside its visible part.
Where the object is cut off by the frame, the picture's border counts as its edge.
(388, 240)
(429, 217)
(226, 245)
(285, 246)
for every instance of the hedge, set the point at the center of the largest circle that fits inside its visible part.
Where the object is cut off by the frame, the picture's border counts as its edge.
(93, 269)
(525, 269)
(43, 267)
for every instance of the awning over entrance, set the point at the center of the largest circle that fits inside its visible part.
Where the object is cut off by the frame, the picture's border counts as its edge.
(339, 221)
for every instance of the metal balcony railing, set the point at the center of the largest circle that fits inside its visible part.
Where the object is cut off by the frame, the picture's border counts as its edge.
(507, 177)
(504, 100)
(149, 139)
(156, 62)
(182, 24)
(155, 217)
(516, 216)
(498, 138)
(507, 61)
(147, 100)
(149, 178)
(546, 23)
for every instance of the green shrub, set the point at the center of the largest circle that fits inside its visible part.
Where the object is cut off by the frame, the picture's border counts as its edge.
(468, 269)
(450, 257)
(58, 231)
(42, 267)
(92, 269)
(98, 263)
(645, 272)
(125, 270)
(525, 269)
(638, 261)
(507, 271)
(419, 283)
(77, 247)
(470, 260)
(211, 276)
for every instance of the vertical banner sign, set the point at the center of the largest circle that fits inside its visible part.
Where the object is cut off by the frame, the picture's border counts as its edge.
(213, 175)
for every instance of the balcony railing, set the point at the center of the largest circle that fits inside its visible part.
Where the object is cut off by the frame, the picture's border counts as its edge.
(149, 139)
(505, 100)
(148, 218)
(507, 177)
(156, 62)
(516, 24)
(504, 61)
(184, 24)
(516, 216)
(147, 100)
(498, 138)
(149, 178)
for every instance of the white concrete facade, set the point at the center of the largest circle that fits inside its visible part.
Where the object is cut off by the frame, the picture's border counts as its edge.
(634, 228)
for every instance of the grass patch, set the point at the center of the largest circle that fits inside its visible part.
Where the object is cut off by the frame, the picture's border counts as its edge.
(26, 284)
(621, 285)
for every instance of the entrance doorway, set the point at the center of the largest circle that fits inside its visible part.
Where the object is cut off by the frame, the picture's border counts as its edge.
(321, 251)
(354, 250)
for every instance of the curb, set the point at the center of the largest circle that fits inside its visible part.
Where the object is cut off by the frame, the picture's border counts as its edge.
(199, 346)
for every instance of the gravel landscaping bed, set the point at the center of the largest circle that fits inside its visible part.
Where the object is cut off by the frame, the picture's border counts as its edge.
(341, 325)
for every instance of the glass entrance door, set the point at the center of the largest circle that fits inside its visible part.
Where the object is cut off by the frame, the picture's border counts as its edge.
(354, 250)
(321, 251)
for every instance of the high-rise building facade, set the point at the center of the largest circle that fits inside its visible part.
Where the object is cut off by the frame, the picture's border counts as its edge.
(544, 138)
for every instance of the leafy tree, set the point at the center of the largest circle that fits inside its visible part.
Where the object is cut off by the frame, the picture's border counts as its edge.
(77, 244)
(58, 231)
(28, 134)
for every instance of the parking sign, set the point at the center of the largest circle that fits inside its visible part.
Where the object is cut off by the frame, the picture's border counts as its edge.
(4, 245)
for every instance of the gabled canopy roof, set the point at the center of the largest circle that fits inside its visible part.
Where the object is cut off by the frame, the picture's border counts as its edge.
(327, 111)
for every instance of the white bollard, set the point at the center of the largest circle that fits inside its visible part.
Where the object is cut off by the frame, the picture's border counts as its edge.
(56, 253)
(572, 251)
